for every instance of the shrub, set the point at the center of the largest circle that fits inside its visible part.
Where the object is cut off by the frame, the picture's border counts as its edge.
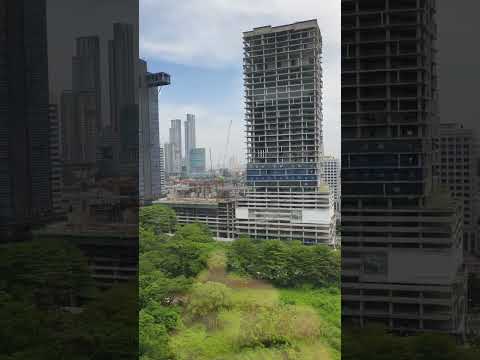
(278, 325)
(207, 298)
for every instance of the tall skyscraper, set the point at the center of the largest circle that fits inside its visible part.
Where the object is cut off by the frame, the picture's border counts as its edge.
(123, 95)
(283, 93)
(86, 72)
(149, 158)
(190, 138)
(25, 174)
(401, 234)
(175, 147)
(81, 116)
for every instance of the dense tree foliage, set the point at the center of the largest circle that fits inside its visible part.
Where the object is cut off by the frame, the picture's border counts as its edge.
(160, 219)
(188, 311)
(168, 263)
(385, 346)
(44, 273)
(41, 280)
(285, 263)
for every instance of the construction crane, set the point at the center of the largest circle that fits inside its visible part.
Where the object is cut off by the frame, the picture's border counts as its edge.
(226, 145)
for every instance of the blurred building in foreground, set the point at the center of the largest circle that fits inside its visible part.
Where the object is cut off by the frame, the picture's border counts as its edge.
(456, 170)
(402, 237)
(25, 172)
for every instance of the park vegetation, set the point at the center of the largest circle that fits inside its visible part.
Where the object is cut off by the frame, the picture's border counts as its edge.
(41, 280)
(258, 300)
(200, 299)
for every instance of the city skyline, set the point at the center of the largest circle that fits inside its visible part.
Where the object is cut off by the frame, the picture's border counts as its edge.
(207, 80)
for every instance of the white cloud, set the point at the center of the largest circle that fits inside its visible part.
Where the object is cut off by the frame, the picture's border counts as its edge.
(208, 34)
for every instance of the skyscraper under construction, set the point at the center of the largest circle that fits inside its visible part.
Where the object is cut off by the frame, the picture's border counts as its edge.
(283, 92)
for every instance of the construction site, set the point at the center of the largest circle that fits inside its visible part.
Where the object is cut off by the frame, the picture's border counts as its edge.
(205, 201)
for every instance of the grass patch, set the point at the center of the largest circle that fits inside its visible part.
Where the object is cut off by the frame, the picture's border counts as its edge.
(261, 322)
(326, 303)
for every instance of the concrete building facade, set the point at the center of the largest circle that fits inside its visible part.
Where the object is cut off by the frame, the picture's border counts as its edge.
(175, 147)
(123, 87)
(163, 182)
(402, 237)
(25, 176)
(330, 172)
(149, 137)
(56, 166)
(456, 171)
(283, 92)
(217, 214)
(197, 159)
(190, 139)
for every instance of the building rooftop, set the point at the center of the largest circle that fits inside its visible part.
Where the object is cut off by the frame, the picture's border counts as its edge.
(293, 26)
(188, 201)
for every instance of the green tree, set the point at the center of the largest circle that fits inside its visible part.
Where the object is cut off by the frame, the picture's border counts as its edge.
(177, 258)
(147, 239)
(242, 256)
(156, 288)
(159, 218)
(195, 233)
(47, 273)
(153, 344)
(286, 263)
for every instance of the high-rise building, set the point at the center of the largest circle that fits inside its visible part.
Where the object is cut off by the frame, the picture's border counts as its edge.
(175, 144)
(401, 233)
(81, 116)
(25, 174)
(456, 170)
(56, 166)
(123, 95)
(79, 120)
(149, 157)
(163, 183)
(197, 164)
(283, 91)
(168, 154)
(330, 172)
(190, 138)
(86, 72)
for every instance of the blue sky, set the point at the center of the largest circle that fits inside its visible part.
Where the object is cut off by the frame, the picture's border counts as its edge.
(199, 42)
